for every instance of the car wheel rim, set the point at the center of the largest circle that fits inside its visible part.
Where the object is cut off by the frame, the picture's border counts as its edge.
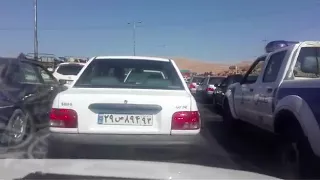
(16, 130)
(18, 127)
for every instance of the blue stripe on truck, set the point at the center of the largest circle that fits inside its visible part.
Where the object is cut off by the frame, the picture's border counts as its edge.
(310, 95)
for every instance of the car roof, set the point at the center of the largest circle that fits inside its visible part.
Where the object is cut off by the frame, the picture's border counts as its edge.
(67, 63)
(133, 58)
(11, 59)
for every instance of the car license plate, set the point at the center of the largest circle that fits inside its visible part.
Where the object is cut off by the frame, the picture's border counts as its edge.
(125, 119)
(69, 82)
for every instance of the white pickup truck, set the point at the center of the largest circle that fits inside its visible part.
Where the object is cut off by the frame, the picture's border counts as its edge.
(281, 93)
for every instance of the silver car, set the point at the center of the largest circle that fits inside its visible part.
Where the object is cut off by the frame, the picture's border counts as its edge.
(207, 87)
(194, 83)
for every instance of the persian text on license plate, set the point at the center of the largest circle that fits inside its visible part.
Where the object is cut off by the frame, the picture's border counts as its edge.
(124, 119)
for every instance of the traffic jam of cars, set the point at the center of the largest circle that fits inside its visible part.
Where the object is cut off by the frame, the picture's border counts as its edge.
(88, 102)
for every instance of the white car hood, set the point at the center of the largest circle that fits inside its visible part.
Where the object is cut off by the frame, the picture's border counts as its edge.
(19, 168)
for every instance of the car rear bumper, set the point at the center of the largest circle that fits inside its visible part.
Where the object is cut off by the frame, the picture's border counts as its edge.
(115, 139)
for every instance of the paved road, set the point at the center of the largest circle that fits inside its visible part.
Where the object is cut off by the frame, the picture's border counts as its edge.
(245, 149)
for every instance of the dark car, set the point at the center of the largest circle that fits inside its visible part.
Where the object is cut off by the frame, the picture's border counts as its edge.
(206, 88)
(26, 95)
(219, 93)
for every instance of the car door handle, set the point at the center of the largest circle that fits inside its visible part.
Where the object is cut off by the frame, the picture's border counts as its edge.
(269, 90)
(251, 90)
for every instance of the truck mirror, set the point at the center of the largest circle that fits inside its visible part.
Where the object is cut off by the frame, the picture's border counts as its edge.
(310, 65)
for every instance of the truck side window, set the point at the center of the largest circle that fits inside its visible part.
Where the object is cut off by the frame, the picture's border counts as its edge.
(305, 53)
(273, 66)
(254, 71)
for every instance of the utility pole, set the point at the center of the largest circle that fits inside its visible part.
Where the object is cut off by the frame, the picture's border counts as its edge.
(134, 25)
(35, 2)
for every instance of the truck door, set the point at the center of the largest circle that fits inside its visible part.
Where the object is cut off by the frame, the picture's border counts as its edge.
(245, 95)
(266, 92)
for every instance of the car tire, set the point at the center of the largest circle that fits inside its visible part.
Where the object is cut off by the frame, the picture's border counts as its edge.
(297, 157)
(227, 117)
(27, 125)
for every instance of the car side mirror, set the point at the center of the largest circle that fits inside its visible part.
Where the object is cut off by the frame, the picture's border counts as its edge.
(62, 82)
(310, 65)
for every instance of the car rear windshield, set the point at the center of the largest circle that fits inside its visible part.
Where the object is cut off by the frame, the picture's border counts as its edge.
(215, 80)
(130, 73)
(197, 79)
(237, 78)
(69, 69)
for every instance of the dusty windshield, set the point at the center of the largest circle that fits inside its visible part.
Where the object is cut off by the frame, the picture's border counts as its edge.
(134, 89)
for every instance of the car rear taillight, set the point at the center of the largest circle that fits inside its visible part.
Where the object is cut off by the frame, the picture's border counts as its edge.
(209, 89)
(63, 118)
(192, 86)
(185, 120)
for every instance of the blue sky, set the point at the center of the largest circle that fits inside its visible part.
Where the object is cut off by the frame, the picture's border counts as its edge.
(208, 30)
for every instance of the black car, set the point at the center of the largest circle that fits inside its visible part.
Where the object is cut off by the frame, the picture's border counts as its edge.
(26, 95)
(219, 93)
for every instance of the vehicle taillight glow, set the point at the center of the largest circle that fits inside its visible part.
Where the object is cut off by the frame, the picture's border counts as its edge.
(63, 118)
(209, 89)
(192, 86)
(185, 120)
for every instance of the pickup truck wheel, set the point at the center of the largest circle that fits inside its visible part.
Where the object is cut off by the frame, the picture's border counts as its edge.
(228, 119)
(297, 157)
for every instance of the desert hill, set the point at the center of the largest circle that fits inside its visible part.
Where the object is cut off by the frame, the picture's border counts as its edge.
(202, 66)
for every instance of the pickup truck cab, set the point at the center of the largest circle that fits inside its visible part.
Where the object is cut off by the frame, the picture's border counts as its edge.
(280, 94)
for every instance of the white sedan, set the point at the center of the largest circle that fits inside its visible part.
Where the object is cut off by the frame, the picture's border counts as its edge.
(67, 72)
(105, 106)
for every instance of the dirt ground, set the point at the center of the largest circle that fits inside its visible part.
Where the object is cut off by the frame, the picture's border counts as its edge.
(202, 66)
